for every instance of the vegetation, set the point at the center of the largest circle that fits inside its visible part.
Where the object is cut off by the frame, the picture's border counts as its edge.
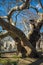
(7, 62)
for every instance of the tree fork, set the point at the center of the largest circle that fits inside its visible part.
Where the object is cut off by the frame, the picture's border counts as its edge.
(15, 31)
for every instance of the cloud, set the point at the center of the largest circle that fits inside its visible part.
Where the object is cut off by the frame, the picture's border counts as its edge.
(38, 6)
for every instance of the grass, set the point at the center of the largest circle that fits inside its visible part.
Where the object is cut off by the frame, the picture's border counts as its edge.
(15, 56)
(2, 61)
(7, 62)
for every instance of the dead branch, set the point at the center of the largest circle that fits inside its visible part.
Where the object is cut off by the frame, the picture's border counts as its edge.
(18, 33)
(40, 3)
(18, 8)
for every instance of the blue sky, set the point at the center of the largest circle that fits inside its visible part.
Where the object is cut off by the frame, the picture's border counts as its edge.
(4, 10)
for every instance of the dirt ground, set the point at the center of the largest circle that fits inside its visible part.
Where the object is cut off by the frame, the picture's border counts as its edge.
(25, 61)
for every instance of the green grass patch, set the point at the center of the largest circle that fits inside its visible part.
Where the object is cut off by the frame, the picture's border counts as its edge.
(2, 61)
(7, 62)
(15, 56)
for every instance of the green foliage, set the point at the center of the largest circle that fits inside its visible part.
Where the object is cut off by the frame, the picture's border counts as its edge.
(15, 56)
(7, 62)
(2, 61)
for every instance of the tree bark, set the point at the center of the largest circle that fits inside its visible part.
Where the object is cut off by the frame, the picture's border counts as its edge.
(18, 33)
(34, 33)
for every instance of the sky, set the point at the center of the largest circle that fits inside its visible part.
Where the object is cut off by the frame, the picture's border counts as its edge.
(5, 7)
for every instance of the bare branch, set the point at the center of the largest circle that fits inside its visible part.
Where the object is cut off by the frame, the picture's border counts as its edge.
(34, 33)
(18, 8)
(34, 8)
(16, 17)
(13, 29)
(15, 32)
(4, 17)
(3, 35)
(40, 3)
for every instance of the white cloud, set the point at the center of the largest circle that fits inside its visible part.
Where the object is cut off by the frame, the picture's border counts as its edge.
(38, 6)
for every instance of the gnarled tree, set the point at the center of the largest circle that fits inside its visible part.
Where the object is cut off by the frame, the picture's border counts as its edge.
(25, 45)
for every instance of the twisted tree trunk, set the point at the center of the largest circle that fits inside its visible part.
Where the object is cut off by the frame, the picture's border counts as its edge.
(34, 34)
(25, 45)
(15, 32)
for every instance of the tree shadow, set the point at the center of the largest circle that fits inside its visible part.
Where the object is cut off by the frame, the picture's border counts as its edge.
(37, 62)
